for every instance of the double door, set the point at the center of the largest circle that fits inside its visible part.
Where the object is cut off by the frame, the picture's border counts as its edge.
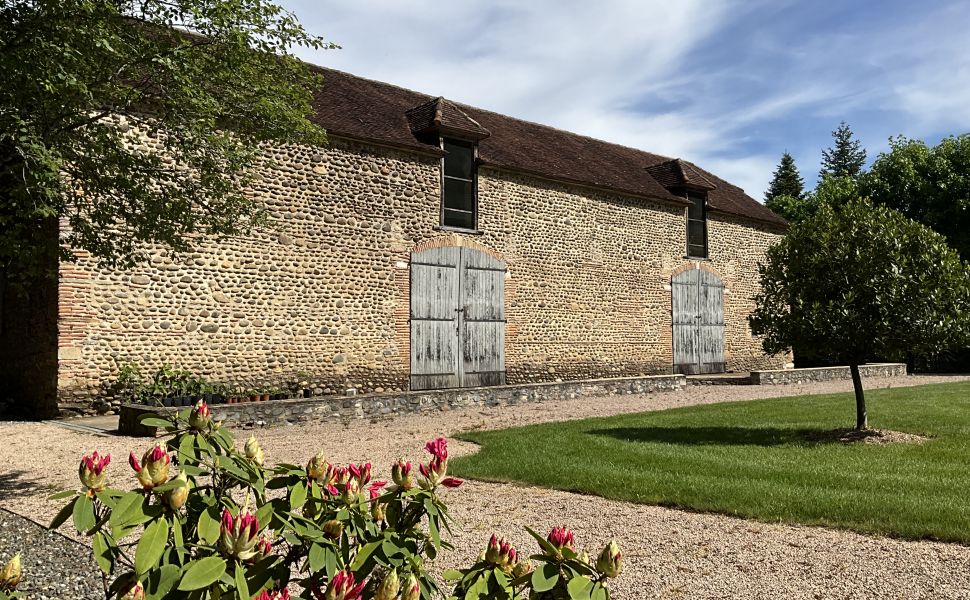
(457, 319)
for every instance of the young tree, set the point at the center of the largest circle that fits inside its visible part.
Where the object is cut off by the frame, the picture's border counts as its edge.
(136, 121)
(858, 281)
(786, 180)
(927, 184)
(846, 158)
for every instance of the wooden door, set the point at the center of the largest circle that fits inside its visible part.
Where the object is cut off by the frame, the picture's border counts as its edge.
(457, 319)
(698, 322)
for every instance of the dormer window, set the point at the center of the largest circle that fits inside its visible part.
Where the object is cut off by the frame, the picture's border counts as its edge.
(459, 202)
(697, 225)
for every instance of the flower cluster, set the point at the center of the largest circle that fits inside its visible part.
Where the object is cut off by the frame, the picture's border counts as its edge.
(434, 472)
(91, 472)
(253, 452)
(503, 555)
(239, 535)
(341, 587)
(153, 469)
(561, 537)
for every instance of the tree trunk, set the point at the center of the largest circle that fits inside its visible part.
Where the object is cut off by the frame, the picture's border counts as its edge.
(861, 418)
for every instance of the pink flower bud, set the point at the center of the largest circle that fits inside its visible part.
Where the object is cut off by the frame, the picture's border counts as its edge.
(375, 489)
(610, 562)
(410, 588)
(200, 417)
(401, 474)
(451, 482)
(238, 535)
(438, 448)
(342, 587)
(561, 537)
(134, 591)
(283, 594)
(153, 469)
(91, 472)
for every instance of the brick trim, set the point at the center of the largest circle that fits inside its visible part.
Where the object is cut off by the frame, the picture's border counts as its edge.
(453, 240)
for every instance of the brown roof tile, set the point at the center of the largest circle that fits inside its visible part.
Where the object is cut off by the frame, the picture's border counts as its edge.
(360, 108)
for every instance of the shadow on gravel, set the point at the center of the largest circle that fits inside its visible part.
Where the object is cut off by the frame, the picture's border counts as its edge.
(729, 436)
(17, 484)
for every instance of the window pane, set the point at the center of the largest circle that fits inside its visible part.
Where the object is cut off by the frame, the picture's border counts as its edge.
(458, 160)
(696, 208)
(697, 251)
(455, 218)
(458, 194)
(695, 233)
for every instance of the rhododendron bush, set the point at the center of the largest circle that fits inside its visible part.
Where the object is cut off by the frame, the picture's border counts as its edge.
(207, 520)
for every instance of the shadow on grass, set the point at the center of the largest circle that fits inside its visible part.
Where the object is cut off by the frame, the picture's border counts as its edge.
(727, 436)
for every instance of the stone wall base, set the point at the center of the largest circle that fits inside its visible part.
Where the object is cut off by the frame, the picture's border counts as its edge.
(811, 375)
(344, 408)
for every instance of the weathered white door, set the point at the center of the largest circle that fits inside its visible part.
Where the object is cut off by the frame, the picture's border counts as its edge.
(457, 319)
(698, 322)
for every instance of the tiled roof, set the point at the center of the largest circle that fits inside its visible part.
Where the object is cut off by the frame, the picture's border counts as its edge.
(369, 110)
(443, 116)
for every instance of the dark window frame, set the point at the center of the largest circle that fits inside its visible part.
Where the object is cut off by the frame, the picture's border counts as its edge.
(700, 199)
(473, 181)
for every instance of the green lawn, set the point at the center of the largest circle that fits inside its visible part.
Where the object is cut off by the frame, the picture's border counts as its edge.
(761, 459)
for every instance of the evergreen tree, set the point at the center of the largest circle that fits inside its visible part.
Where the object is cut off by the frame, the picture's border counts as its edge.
(846, 158)
(786, 180)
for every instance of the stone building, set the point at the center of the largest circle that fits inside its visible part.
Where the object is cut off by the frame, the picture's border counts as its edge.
(433, 244)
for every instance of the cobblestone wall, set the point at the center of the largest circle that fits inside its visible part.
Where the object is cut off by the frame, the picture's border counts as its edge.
(324, 288)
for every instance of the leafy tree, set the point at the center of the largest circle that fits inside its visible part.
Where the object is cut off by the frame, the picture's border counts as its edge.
(137, 121)
(846, 158)
(859, 281)
(833, 191)
(786, 180)
(927, 184)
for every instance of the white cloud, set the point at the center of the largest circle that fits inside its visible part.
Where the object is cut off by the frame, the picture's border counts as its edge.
(725, 83)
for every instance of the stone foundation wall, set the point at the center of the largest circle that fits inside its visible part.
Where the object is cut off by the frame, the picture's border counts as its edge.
(323, 290)
(291, 412)
(788, 376)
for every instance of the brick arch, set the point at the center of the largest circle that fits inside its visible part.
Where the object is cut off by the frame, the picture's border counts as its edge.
(703, 266)
(450, 240)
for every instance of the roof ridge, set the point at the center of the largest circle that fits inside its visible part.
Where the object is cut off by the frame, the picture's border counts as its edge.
(460, 105)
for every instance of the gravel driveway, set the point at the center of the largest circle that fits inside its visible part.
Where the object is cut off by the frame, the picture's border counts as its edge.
(668, 553)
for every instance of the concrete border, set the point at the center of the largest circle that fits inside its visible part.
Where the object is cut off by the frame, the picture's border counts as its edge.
(789, 376)
(343, 408)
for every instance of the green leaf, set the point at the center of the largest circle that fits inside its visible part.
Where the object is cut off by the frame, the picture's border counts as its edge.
(452, 575)
(202, 573)
(62, 495)
(545, 577)
(153, 421)
(600, 592)
(151, 546)
(162, 580)
(84, 514)
(242, 588)
(209, 526)
(579, 588)
(63, 515)
(102, 553)
(298, 495)
(129, 510)
(317, 558)
(364, 553)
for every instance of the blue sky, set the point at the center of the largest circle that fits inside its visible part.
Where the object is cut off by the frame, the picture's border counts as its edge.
(728, 85)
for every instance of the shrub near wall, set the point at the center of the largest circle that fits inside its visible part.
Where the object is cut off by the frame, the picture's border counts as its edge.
(225, 526)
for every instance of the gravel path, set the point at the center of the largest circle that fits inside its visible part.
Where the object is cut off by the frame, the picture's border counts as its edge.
(54, 566)
(668, 553)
